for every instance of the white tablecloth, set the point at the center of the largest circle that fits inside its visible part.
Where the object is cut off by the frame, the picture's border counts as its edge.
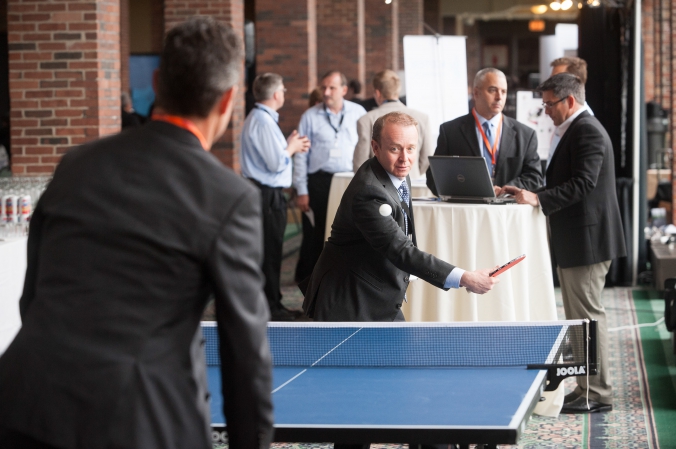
(339, 184)
(473, 236)
(12, 272)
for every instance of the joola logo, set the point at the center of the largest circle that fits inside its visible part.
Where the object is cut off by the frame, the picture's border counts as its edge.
(569, 371)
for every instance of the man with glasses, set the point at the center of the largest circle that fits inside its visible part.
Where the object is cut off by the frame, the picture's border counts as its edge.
(584, 218)
(266, 160)
(509, 147)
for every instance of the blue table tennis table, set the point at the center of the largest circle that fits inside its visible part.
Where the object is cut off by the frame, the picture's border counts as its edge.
(406, 382)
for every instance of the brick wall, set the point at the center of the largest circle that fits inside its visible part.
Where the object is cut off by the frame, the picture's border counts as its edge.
(231, 12)
(410, 23)
(63, 78)
(379, 41)
(286, 43)
(338, 37)
(124, 45)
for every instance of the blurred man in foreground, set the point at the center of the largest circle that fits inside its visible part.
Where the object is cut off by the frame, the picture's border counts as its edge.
(126, 246)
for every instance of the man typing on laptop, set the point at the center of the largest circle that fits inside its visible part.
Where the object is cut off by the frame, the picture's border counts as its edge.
(509, 148)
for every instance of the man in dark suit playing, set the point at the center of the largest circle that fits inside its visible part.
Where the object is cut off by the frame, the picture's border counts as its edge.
(580, 201)
(509, 147)
(364, 269)
(129, 241)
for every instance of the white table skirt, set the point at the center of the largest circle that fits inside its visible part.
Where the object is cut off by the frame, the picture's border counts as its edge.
(339, 184)
(12, 273)
(473, 236)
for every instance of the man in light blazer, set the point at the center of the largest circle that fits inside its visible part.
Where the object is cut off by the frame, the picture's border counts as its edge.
(386, 89)
(130, 240)
(580, 201)
(509, 147)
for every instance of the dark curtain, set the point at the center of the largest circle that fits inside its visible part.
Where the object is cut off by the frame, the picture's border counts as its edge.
(606, 42)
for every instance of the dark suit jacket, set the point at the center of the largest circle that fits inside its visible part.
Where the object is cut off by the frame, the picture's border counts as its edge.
(363, 271)
(518, 162)
(580, 198)
(131, 238)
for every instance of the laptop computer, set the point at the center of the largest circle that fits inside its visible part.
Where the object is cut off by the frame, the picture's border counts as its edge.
(464, 179)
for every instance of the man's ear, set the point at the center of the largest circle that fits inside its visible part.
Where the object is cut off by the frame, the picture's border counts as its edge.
(227, 99)
(571, 101)
(375, 147)
(344, 90)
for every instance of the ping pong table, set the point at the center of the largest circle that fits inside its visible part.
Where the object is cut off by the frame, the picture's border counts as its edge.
(427, 383)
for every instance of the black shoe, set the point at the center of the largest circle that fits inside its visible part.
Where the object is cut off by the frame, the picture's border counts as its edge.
(579, 405)
(284, 314)
(570, 397)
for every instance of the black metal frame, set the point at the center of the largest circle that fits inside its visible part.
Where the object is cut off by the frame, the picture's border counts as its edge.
(554, 371)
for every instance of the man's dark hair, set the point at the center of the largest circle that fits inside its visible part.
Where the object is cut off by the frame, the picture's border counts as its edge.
(343, 78)
(574, 65)
(200, 61)
(564, 84)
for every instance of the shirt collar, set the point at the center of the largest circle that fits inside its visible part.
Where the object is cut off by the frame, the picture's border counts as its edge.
(274, 114)
(494, 121)
(395, 181)
(563, 127)
(323, 109)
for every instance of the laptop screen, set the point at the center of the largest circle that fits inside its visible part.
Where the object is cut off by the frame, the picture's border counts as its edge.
(461, 176)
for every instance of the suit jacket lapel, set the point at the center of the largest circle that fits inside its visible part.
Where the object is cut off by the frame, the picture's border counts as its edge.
(507, 145)
(386, 182)
(468, 130)
(563, 142)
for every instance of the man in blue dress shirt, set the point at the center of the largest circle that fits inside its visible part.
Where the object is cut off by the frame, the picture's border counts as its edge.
(266, 161)
(331, 126)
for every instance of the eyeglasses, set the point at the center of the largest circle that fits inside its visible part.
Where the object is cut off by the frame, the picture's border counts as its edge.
(549, 104)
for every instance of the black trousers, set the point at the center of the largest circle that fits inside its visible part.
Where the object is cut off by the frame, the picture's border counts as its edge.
(273, 207)
(11, 439)
(318, 185)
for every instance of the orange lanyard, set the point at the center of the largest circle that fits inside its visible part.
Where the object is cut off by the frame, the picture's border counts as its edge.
(493, 151)
(183, 123)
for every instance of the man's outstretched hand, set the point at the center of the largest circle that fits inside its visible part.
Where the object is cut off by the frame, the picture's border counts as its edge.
(479, 281)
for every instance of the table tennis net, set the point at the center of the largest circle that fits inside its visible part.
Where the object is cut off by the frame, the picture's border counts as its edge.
(419, 344)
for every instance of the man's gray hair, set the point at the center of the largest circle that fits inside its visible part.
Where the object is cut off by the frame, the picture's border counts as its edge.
(265, 86)
(481, 74)
(563, 85)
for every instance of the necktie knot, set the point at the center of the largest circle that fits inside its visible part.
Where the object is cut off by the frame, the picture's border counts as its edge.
(403, 192)
(489, 134)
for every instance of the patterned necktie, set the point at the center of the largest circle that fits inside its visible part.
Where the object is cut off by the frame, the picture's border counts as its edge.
(403, 194)
(487, 152)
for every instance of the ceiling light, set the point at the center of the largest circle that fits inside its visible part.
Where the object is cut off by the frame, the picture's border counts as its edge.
(538, 9)
(387, 2)
(555, 6)
(566, 4)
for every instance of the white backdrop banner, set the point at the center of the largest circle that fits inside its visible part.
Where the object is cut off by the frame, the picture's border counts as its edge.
(531, 112)
(436, 77)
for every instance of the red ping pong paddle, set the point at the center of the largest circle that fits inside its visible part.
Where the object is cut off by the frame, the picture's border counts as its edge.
(507, 266)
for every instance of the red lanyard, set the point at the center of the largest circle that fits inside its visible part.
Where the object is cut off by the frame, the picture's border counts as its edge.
(493, 151)
(183, 123)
